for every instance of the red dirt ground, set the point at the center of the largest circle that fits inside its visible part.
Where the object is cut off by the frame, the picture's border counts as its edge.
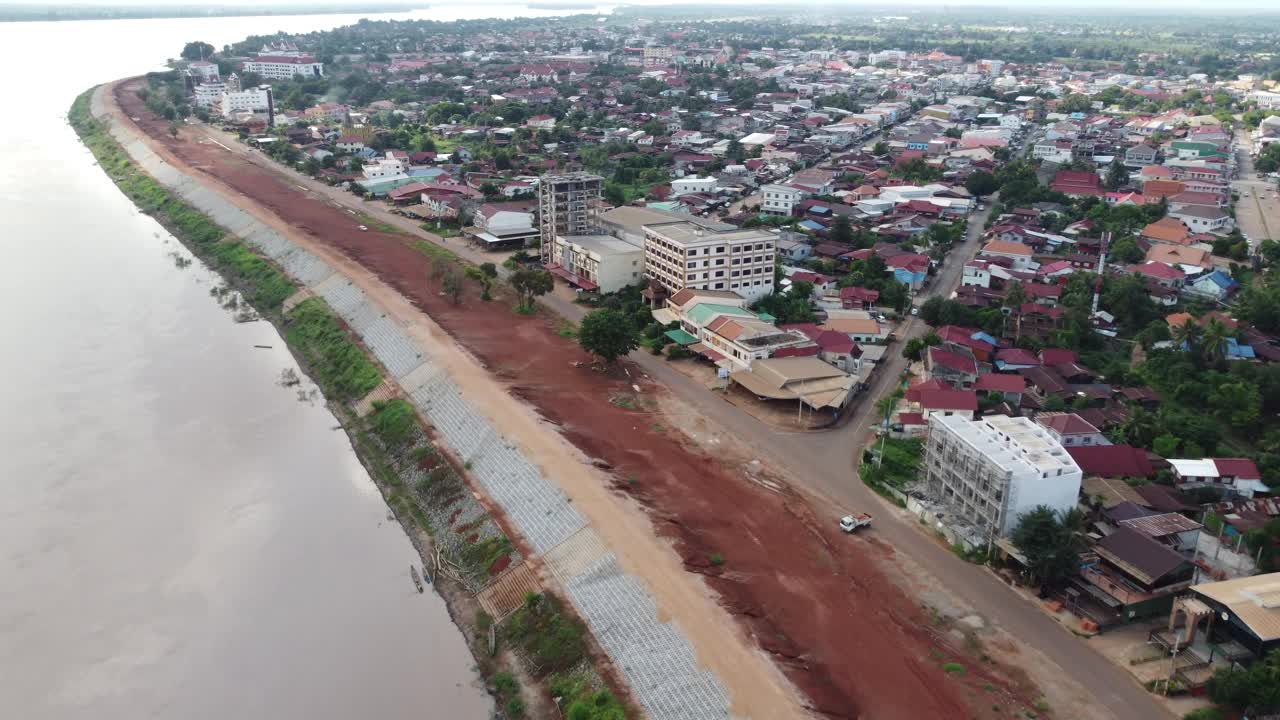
(854, 643)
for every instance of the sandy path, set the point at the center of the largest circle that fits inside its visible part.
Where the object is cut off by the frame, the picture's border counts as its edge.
(755, 685)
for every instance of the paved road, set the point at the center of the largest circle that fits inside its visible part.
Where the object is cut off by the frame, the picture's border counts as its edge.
(1258, 211)
(825, 463)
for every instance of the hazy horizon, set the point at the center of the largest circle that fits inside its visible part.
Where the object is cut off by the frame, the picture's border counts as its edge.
(1188, 6)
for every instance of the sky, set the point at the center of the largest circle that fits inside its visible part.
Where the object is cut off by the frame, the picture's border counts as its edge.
(1268, 6)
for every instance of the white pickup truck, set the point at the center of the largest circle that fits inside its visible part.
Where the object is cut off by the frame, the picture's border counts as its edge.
(851, 523)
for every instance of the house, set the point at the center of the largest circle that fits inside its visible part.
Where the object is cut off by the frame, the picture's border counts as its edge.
(1239, 475)
(808, 380)
(1168, 230)
(1247, 612)
(953, 365)
(1202, 219)
(1077, 184)
(502, 225)
(795, 251)
(976, 272)
(1188, 259)
(1071, 430)
(1168, 276)
(1217, 286)
(780, 199)
(1020, 255)
(1012, 359)
(935, 397)
(1140, 155)
(856, 298)
(1176, 532)
(1006, 387)
(349, 143)
(1133, 577)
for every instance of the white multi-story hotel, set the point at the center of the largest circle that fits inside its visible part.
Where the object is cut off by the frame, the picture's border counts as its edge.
(710, 256)
(254, 99)
(284, 67)
(780, 199)
(209, 95)
(992, 471)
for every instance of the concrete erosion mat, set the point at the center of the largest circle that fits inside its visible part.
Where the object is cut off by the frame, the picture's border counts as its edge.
(504, 393)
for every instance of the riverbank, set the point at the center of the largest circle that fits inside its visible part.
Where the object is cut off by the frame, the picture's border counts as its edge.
(421, 482)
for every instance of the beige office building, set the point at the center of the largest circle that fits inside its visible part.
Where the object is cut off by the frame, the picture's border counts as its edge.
(685, 254)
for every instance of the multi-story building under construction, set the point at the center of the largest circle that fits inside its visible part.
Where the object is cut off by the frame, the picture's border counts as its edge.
(567, 205)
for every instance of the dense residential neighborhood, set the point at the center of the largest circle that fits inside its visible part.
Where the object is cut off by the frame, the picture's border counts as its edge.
(1045, 289)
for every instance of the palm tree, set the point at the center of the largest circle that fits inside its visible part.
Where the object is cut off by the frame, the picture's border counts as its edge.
(1213, 340)
(1139, 428)
(1186, 335)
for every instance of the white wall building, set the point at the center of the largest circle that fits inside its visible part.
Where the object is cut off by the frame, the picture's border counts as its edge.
(209, 95)
(686, 185)
(992, 471)
(284, 67)
(685, 254)
(383, 167)
(254, 99)
(603, 260)
(779, 199)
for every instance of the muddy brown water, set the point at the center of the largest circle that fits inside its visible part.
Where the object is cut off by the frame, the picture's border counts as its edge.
(180, 535)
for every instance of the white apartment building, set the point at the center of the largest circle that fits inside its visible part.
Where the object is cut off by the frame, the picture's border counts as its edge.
(209, 95)
(252, 99)
(383, 167)
(284, 67)
(685, 254)
(779, 199)
(990, 472)
(602, 260)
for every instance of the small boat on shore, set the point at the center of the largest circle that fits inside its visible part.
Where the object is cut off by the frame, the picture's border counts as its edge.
(417, 579)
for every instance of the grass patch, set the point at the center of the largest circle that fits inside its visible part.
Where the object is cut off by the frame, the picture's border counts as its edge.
(953, 668)
(394, 422)
(434, 251)
(338, 365)
(480, 556)
(264, 285)
(567, 329)
(583, 700)
(549, 639)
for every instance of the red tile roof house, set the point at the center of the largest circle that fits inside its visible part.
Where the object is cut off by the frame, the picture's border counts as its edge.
(1240, 474)
(1057, 356)
(856, 298)
(1012, 359)
(943, 401)
(1008, 387)
(967, 337)
(1161, 274)
(1074, 183)
(1071, 430)
(1112, 461)
(951, 366)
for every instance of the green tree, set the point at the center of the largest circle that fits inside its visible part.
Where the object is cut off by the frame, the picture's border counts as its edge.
(1117, 174)
(197, 51)
(1125, 250)
(530, 283)
(607, 334)
(881, 148)
(1255, 689)
(1016, 296)
(981, 183)
(842, 230)
(1048, 540)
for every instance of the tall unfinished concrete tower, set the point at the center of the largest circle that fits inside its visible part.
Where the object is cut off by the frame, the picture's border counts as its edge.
(567, 205)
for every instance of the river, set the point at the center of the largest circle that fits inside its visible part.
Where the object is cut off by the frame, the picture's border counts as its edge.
(180, 535)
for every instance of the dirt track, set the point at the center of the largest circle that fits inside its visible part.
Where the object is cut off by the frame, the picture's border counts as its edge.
(847, 636)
